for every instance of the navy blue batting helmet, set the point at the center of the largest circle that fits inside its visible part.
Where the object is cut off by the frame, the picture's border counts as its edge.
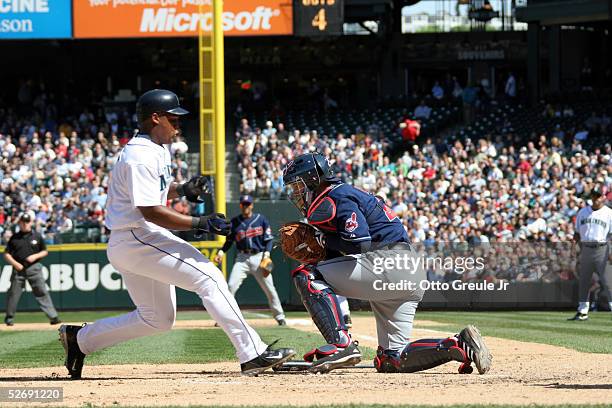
(158, 101)
(303, 176)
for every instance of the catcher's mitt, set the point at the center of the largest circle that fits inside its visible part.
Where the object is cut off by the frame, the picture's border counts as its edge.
(266, 266)
(302, 242)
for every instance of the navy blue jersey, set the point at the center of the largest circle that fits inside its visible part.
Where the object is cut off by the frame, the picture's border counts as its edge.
(355, 216)
(252, 233)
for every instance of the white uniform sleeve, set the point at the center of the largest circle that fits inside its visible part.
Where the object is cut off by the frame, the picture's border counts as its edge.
(144, 186)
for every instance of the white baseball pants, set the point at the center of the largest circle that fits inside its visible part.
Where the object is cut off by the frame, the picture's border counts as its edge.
(249, 264)
(152, 263)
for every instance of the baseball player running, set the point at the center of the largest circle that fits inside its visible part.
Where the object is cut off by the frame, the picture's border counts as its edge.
(253, 236)
(151, 259)
(593, 231)
(356, 228)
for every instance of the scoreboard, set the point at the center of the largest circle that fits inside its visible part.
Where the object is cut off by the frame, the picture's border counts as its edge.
(318, 17)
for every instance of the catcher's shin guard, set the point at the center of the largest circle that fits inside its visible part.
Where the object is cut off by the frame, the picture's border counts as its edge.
(387, 361)
(322, 304)
(429, 353)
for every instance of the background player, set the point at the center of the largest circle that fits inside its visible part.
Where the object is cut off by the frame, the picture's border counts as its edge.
(359, 225)
(151, 259)
(253, 236)
(593, 230)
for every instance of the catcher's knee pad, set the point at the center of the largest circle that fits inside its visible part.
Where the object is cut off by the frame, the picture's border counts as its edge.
(428, 353)
(322, 304)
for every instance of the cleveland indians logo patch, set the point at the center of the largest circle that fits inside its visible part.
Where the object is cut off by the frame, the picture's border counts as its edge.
(351, 224)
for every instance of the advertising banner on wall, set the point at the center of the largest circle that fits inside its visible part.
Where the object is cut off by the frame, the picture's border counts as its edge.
(35, 19)
(87, 280)
(179, 18)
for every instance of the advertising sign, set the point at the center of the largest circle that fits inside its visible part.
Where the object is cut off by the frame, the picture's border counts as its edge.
(179, 18)
(34, 19)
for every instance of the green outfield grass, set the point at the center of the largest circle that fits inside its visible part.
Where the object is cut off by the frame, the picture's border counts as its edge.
(41, 348)
(90, 316)
(183, 346)
(592, 336)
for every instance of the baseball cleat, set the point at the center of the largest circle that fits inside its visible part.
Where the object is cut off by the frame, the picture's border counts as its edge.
(387, 361)
(268, 359)
(349, 356)
(54, 321)
(579, 317)
(348, 322)
(9, 321)
(281, 322)
(74, 355)
(475, 348)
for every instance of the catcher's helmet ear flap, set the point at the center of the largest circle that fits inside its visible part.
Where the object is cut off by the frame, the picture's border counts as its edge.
(160, 101)
(323, 167)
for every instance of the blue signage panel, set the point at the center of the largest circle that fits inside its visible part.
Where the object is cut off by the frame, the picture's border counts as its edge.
(31, 19)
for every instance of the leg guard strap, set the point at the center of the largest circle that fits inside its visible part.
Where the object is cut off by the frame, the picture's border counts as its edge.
(322, 304)
(387, 361)
(429, 353)
(320, 352)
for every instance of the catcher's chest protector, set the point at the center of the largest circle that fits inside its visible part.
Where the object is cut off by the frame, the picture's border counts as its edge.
(322, 212)
(322, 304)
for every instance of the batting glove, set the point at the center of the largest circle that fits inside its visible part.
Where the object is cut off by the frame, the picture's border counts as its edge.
(194, 188)
(215, 223)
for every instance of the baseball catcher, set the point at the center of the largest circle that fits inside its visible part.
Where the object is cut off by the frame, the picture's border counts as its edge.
(350, 232)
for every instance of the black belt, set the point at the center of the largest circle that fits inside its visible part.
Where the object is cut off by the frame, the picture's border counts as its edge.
(594, 244)
(249, 251)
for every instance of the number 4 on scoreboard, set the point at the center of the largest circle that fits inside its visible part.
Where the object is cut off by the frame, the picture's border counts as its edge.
(319, 21)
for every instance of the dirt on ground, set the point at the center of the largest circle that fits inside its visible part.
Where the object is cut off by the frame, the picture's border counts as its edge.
(522, 373)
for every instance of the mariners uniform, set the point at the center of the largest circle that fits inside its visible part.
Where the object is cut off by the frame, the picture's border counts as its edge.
(152, 261)
(594, 228)
(360, 231)
(253, 238)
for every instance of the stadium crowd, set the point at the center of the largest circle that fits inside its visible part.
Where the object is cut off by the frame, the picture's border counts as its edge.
(474, 191)
(495, 188)
(58, 170)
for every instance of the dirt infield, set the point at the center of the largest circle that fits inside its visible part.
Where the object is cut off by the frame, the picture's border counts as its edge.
(522, 373)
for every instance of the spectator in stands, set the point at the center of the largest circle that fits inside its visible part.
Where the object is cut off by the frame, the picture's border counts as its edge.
(410, 130)
(282, 133)
(437, 91)
(269, 130)
(276, 185)
(328, 102)
(470, 98)
(593, 122)
(422, 111)
(457, 89)
(510, 88)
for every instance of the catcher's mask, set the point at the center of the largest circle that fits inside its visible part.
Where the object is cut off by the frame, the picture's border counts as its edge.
(303, 176)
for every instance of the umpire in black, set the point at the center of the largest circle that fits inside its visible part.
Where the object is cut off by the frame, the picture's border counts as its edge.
(23, 251)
